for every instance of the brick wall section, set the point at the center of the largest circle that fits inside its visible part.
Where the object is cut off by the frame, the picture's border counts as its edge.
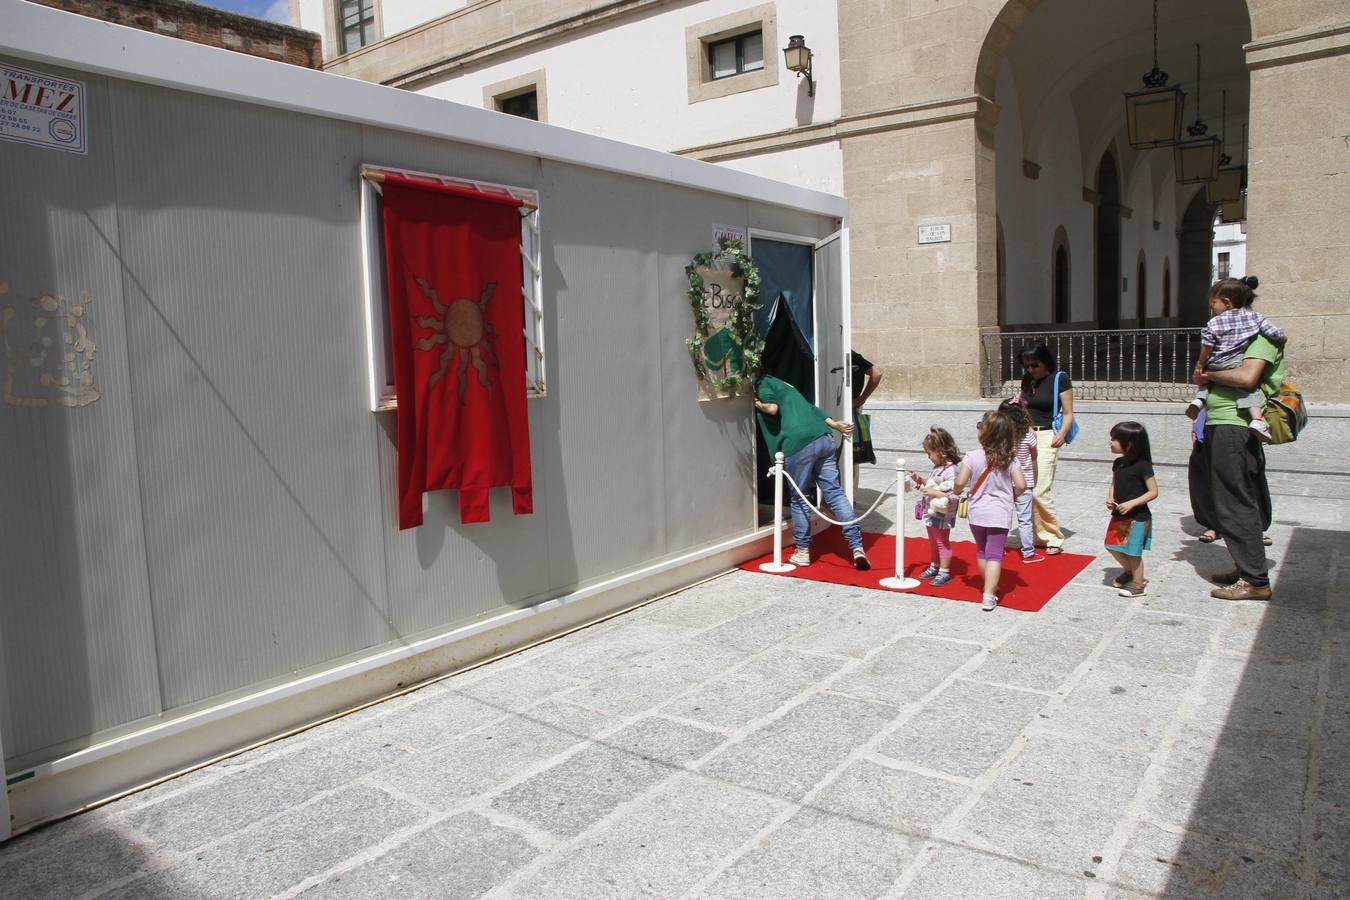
(205, 25)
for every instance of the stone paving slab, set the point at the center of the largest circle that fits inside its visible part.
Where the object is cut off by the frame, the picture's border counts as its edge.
(755, 736)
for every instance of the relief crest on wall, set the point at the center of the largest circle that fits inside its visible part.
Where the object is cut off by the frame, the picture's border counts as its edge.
(49, 352)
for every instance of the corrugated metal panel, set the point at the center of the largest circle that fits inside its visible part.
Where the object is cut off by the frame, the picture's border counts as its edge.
(606, 498)
(75, 618)
(241, 524)
(240, 228)
(709, 453)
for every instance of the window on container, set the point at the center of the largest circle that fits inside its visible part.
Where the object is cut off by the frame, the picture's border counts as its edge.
(734, 56)
(525, 105)
(356, 22)
(379, 344)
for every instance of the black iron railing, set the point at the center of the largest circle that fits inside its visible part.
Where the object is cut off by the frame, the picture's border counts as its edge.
(1144, 364)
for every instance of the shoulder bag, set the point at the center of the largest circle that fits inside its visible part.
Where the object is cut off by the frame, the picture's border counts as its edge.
(1057, 417)
(963, 508)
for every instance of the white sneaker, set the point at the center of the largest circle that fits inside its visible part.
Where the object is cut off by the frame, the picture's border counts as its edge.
(1261, 428)
(990, 602)
(800, 557)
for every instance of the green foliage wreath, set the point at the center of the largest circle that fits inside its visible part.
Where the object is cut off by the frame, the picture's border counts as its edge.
(747, 343)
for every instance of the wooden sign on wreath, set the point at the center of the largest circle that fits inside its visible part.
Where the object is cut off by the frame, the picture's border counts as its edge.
(724, 294)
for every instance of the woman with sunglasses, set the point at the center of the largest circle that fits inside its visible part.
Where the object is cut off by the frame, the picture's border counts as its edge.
(1039, 386)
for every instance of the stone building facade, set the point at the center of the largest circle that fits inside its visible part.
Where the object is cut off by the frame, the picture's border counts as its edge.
(205, 25)
(1001, 119)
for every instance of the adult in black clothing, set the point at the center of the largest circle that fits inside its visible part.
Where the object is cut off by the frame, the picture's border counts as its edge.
(866, 377)
(1038, 395)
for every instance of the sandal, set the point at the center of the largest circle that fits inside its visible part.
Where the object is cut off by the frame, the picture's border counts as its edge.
(1209, 536)
(1267, 540)
(1053, 551)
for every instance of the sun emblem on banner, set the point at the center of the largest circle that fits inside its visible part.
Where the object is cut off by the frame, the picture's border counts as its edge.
(464, 330)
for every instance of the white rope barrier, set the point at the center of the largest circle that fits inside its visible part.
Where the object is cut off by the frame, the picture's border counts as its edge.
(880, 497)
(779, 472)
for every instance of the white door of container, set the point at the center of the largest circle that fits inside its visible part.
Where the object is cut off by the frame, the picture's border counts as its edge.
(833, 375)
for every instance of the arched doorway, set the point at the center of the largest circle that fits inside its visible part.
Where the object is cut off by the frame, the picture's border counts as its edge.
(1106, 239)
(1195, 244)
(1061, 310)
(1141, 291)
(1167, 290)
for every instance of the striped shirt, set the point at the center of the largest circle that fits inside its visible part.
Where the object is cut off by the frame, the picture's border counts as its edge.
(1023, 454)
(1228, 334)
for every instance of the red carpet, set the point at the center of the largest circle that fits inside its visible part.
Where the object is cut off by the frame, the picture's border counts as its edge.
(1021, 587)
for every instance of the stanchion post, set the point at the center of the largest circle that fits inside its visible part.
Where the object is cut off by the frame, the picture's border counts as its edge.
(777, 565)
(899, 581)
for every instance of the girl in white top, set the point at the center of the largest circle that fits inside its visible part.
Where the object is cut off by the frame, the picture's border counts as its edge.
(938, 507)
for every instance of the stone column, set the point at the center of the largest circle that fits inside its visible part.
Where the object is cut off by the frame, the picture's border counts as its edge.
(1298, 194)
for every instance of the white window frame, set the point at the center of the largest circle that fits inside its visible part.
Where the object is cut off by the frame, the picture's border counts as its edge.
(378, 349)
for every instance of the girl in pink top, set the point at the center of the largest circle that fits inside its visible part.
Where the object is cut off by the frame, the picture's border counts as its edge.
(994, 480)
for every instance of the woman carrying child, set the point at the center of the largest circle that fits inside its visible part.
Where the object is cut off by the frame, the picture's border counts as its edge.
(1025, 452)
(938, 506)
(1133, 485)
(994, 479)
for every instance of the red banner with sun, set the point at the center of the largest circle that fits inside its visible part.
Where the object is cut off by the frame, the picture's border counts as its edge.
(456, 320)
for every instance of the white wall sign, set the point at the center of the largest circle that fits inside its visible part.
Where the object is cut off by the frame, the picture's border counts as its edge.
(935, 234)
(732, 231)
(42, 110)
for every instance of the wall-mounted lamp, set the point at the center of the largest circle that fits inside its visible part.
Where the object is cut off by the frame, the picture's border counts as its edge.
(798, 58)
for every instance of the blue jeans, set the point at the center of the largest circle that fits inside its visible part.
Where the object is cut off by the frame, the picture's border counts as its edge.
(1024, 529)
(815, 465)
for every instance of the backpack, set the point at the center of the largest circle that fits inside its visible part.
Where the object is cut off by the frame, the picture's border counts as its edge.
(1286, 414)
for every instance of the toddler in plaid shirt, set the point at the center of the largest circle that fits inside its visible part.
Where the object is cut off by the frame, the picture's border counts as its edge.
(1223, 343)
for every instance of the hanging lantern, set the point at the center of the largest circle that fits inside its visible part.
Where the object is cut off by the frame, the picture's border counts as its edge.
(1234, 210)
(1153, 115)
(1227, 187)
(1197, 158)
(1232, 180)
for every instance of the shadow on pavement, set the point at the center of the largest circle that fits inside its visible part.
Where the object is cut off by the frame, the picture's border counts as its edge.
(1255, 777)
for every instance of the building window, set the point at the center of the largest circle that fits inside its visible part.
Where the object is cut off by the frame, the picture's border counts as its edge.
(736, 56)
(356, 23)
(1224, 266)
(525, 105)
(524, 95)
(732, 53)
(379, 344)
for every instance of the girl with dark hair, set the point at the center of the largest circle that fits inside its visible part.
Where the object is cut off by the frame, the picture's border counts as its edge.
(1224, 341)
(997, 480)
(1133, 485)
(1045, 390)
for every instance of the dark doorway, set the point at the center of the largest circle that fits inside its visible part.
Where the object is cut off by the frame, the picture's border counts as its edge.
(1107, 236)
(1167, 289)
(1061, 284)
(1141, 293)
(1196, 244)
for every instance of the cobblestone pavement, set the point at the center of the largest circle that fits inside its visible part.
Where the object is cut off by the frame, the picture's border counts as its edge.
(759, 736)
